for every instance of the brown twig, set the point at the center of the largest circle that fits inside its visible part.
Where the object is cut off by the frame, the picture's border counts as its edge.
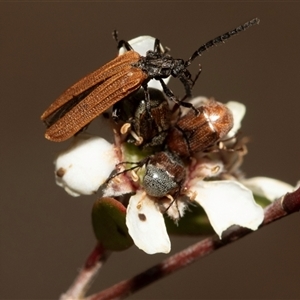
(282, 207)
(86, 275)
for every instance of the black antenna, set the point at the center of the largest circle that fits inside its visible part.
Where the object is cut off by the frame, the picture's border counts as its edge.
(221, 39)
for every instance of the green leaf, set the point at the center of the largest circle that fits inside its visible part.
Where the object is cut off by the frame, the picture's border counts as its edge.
(262, 201)
(108, 220)
(194, 222)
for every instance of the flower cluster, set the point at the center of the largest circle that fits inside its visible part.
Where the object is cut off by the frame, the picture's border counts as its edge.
(213, 179)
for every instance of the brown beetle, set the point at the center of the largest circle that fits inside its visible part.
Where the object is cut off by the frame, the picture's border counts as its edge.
(131, 113)
(165, 171)
(194, 133)
(98, 91)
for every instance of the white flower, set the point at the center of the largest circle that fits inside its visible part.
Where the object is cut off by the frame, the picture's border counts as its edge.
(142, 44)
(146, 225)
(228, 203)
(238, 111)
(225, 202)
(266, 187)
(85, 165)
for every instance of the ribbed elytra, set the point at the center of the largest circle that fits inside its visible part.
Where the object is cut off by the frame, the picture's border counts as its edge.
(78, 106)
(194, 133)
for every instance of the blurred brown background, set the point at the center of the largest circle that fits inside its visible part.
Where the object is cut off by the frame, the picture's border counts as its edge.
(46, 47)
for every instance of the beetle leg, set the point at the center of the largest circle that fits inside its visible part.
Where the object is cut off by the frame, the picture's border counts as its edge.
(173, 199)
(158, 47)
(197, 76)
(124, 44)
(147, 101)
(137, 165)
(194, 81)
(185, 78)
(172, 97)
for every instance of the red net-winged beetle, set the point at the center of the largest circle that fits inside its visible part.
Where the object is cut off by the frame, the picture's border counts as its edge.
(98, 91)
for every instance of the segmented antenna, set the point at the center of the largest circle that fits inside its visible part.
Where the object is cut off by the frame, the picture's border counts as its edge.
(121, 43)
(221, 39)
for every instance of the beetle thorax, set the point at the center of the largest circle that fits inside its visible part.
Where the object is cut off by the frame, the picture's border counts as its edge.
(158, 65)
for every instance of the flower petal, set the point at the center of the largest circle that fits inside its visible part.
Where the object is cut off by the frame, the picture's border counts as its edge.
(238, 111)
(146, 225)
(228, 203)
(85, 165)
(142, 44)
(266, 187)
